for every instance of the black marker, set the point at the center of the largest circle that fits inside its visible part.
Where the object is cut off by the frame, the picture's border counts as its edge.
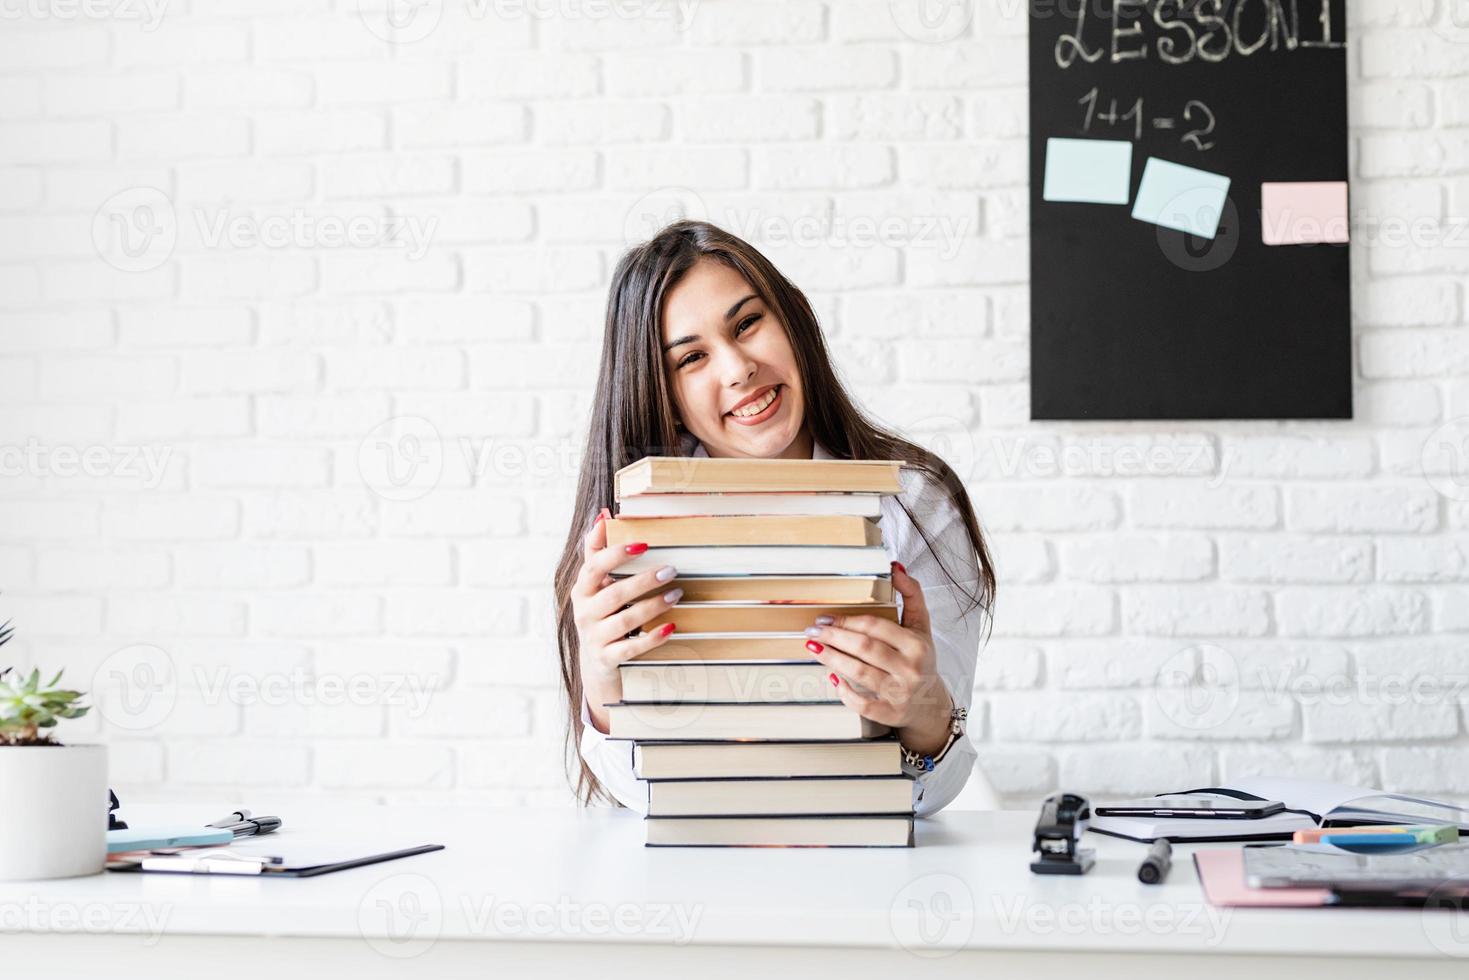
(1155, 866)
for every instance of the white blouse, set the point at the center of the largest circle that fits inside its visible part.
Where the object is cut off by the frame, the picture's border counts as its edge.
(956, 640)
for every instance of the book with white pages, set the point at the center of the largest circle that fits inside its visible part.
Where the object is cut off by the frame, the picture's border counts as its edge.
(1309, 803)
(750, 504)
(762, 560)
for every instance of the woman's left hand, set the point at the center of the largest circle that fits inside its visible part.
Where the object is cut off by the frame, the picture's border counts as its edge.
(887, 671)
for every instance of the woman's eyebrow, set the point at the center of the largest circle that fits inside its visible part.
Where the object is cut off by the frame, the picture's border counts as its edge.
(690, 338)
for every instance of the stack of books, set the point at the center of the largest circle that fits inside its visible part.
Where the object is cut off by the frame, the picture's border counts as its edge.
(738, 732)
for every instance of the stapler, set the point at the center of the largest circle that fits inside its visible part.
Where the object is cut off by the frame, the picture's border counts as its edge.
(1064, 818)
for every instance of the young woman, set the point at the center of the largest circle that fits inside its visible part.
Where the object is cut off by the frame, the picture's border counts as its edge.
(710, 351)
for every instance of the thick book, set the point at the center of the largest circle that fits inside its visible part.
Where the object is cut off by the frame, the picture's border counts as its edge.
(704, 474)
(762, 560)
(757, 617)
(729, 646)
(749, 504)
(837, 531)
(735, 760)
(787, 797)
(783, 589)
(889, 831)
(734, 682)
(695, 721)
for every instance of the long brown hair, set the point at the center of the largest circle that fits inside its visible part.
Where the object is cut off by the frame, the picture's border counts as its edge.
(632, 416)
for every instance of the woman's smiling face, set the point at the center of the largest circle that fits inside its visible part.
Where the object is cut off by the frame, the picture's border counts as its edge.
(735, 382)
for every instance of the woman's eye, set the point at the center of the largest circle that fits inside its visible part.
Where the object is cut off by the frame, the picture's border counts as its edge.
(748, 321)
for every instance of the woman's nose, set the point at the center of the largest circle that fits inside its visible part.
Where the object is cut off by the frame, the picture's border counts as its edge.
(738, 367)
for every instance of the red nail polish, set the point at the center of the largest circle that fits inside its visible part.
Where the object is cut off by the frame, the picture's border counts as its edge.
(814, 647)
(833, 679)
(602, 515)
(899, 566)
(666, 628)
(636, 549)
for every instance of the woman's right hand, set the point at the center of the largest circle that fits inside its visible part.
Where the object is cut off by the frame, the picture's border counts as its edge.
(602, 624)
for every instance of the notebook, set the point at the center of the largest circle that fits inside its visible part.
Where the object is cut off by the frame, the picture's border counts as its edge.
(1309, 803)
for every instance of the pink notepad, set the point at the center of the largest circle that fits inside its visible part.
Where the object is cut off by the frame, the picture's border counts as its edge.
(1222, 873)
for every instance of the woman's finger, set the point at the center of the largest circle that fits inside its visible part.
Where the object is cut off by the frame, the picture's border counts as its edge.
(634, 646)
(601, 564)
(616, 593)
(855, 670)
(872, 708)
(634, 616)
(588, 579)
(915, 606)
(875, 652)
(882, 630)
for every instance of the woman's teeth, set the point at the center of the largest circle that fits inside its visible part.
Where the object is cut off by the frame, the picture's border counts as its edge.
(755, 408)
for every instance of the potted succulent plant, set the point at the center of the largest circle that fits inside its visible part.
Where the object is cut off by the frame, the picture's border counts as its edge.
(53, 797)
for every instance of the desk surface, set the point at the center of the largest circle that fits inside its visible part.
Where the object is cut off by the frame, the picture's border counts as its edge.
(574, 876)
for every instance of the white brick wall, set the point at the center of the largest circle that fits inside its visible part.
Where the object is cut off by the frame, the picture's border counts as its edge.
(198, 518)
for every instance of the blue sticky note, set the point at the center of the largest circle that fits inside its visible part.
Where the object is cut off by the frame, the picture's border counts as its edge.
(147, 838)
(1093, 171)
(1182, 198)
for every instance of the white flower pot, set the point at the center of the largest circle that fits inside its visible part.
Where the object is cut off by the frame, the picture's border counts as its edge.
(53, 811)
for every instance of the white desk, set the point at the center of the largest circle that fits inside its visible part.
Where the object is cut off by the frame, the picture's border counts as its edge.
(521, 890)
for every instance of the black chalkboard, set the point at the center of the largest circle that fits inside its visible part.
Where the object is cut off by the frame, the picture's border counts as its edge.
(1134, 320)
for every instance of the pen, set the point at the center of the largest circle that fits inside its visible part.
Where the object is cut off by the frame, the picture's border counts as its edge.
(255, 826)
(241, 824)
(1155, 866)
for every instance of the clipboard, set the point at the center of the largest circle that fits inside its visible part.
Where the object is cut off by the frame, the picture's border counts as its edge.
(257, 860)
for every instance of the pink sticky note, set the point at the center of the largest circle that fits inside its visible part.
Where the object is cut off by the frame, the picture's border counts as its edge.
(1304, 212)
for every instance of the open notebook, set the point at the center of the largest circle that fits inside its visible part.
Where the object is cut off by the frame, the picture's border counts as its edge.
(1308, 804)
